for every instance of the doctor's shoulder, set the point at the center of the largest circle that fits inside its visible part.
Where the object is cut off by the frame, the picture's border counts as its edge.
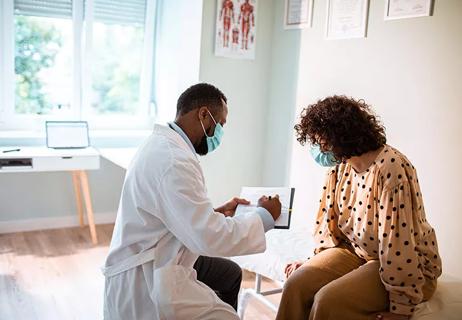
(170, 152)
(153, 157)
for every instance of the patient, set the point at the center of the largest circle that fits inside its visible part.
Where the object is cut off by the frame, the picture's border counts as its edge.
(376, 255)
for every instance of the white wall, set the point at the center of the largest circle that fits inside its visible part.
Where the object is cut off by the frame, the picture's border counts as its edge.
(177, 56)
(239, 159)
(409, 70)
(282, 94)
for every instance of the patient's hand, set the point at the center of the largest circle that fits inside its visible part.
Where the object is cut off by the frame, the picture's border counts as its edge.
(229, 208)
(291, 267)
(391, 316)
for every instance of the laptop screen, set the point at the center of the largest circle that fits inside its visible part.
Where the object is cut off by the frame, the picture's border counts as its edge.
(67, 134)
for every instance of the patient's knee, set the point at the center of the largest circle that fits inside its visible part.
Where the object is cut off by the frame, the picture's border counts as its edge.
(327, 299)
(302, 283)
(291, 285)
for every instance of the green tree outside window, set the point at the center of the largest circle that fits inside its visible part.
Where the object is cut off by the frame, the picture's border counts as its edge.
(37, 45)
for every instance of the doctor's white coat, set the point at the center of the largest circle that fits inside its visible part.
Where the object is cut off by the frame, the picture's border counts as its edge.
(165, 221)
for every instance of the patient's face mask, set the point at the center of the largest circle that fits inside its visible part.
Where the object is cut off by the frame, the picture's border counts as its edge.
(324, 159)
(214, 141)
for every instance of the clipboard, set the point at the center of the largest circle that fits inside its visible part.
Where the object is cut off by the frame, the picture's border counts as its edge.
(286, 196)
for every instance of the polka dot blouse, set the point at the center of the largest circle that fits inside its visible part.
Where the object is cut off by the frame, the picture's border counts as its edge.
(380, 212)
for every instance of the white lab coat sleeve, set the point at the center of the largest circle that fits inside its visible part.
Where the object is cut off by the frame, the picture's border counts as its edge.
(266, 218)
(187, 212)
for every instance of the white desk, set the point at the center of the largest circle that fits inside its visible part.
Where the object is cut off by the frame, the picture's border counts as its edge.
(43, 159)
(119, 156)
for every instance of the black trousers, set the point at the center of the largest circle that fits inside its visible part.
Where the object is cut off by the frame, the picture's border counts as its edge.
(222, 276)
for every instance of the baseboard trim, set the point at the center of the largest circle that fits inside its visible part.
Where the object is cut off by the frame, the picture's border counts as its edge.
(51, 222)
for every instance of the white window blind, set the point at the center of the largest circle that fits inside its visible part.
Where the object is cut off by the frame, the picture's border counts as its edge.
(44, 8)
(120, 11)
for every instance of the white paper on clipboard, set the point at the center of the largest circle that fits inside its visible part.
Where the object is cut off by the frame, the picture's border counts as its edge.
(286, 196)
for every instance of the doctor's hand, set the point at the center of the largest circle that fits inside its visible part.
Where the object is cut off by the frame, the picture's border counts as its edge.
(229, 208)
(272, 204)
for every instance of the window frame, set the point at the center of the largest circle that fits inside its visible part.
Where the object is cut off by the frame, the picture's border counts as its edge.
(82, 53)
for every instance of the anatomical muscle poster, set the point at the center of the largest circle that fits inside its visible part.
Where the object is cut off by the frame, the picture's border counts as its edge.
(236, 29)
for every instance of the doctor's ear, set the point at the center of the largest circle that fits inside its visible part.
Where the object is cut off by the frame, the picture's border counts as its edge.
(203, 112)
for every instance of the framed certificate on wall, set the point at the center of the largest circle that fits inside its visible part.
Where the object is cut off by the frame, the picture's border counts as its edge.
(347, 19)
(298, 14)
(402, 9)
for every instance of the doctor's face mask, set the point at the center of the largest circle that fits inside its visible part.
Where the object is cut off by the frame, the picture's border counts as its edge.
(210, 143)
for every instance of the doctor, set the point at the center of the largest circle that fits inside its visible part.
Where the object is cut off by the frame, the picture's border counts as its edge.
(166, 224)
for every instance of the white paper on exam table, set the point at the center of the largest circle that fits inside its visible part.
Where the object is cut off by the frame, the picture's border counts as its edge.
(286, 196)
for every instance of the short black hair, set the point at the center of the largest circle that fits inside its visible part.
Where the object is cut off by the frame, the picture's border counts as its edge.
(199, 95)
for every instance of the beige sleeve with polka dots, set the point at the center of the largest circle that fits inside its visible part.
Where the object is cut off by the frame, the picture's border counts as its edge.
(326, 233)
(400, 268)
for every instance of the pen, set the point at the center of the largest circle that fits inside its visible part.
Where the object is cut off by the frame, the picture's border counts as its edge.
(12, 150)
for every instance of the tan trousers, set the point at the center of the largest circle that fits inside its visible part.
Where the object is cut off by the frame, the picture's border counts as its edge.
(337, 284)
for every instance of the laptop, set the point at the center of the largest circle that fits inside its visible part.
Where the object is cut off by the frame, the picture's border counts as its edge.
(67, 134)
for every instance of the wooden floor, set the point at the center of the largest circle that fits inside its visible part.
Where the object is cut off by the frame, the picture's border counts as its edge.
(55, 274)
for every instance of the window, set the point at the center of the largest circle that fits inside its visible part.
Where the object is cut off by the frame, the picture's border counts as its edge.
(117, 43)
(42, 65)
(76, 60)
(116, 77)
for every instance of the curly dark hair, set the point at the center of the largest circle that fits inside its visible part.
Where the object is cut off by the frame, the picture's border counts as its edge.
(343, 125)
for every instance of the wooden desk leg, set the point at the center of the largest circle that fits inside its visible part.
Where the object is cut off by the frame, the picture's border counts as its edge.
(89, 208)
(78, 196)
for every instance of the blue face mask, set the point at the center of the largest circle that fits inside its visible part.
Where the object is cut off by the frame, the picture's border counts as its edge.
(214, 141)
(325, 159)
